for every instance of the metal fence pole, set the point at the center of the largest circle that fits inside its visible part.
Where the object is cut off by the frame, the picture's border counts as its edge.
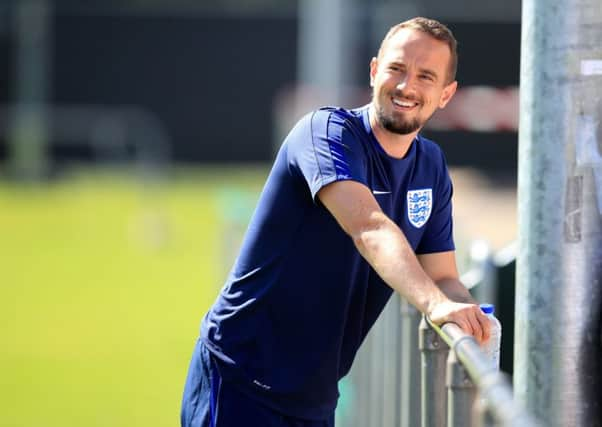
(493, 385)
(433, 358)
(410, 365)
(460, 393)
(391, 369)
(559, 264)
(28, 135)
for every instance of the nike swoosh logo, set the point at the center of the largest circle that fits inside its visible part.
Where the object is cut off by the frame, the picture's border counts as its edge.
(380, 192)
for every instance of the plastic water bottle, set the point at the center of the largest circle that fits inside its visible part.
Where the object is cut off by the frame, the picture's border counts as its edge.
(491, 347)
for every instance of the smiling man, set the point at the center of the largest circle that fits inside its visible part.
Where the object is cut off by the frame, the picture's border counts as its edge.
(357, 205)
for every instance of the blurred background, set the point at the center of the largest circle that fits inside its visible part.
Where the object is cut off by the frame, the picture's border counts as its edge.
(135, 136)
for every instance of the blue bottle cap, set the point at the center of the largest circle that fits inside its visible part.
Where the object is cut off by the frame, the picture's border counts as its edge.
(487, 308)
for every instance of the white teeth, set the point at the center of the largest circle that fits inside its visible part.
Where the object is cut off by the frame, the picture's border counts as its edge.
(406, 104)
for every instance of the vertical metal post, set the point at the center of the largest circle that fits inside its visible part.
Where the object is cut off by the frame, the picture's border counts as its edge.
(376, 396)
(391, 354)
(481, 262)
(559, 264)
(460, 393)
(410, 365)
(327, 44)
(28, 131)
(433, 357)
(361, 376)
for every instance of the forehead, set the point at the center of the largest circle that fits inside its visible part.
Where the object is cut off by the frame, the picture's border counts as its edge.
(410, 45)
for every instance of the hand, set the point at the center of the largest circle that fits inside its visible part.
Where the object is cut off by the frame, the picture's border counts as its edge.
(468, 317)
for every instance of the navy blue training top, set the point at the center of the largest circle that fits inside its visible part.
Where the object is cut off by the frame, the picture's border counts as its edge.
(300, 298)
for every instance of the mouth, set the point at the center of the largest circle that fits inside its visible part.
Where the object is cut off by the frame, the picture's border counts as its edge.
(404, 104)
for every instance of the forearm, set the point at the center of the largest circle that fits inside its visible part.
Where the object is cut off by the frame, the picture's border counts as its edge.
(455, 290)
(387, 250)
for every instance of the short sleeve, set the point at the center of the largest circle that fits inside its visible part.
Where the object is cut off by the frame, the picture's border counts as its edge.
(438, 235)
(325, 147)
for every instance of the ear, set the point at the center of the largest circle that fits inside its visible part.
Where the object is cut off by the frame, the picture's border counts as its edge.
(448, 93)
(373, 68)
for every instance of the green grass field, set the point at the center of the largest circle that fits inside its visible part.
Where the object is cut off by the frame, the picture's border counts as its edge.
(103, 281)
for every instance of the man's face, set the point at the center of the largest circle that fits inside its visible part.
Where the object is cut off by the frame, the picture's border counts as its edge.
(410, 81)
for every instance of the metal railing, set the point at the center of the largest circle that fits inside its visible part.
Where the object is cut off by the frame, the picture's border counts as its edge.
(405, 375)
(460, 388)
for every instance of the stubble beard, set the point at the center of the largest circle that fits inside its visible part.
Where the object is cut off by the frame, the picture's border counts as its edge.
(397, 125)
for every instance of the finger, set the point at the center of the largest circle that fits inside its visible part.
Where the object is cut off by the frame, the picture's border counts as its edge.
(485, 325)
(464, 323)
(476, 325)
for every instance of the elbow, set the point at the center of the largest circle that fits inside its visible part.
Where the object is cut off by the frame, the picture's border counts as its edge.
(359, 240)
(365, 236)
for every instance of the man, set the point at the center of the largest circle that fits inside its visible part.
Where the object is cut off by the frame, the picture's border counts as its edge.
(357, 205)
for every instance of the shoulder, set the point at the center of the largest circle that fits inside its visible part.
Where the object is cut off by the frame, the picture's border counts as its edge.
(332, 124)
(340, 113)
(330, 119)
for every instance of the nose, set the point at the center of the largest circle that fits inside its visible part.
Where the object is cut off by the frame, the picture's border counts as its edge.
(406, 83)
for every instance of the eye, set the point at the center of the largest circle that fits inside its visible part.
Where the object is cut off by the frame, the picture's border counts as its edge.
(427, 77)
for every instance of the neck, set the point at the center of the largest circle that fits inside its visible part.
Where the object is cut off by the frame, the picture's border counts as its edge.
(394, 144)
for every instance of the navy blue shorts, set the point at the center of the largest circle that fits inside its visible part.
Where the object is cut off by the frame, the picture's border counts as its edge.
(210, 402)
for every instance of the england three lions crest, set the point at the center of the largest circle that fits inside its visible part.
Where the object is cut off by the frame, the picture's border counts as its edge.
(420, 204)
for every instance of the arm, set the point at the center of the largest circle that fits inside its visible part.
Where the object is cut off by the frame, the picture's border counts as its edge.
(384, 246)
(441, 268)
